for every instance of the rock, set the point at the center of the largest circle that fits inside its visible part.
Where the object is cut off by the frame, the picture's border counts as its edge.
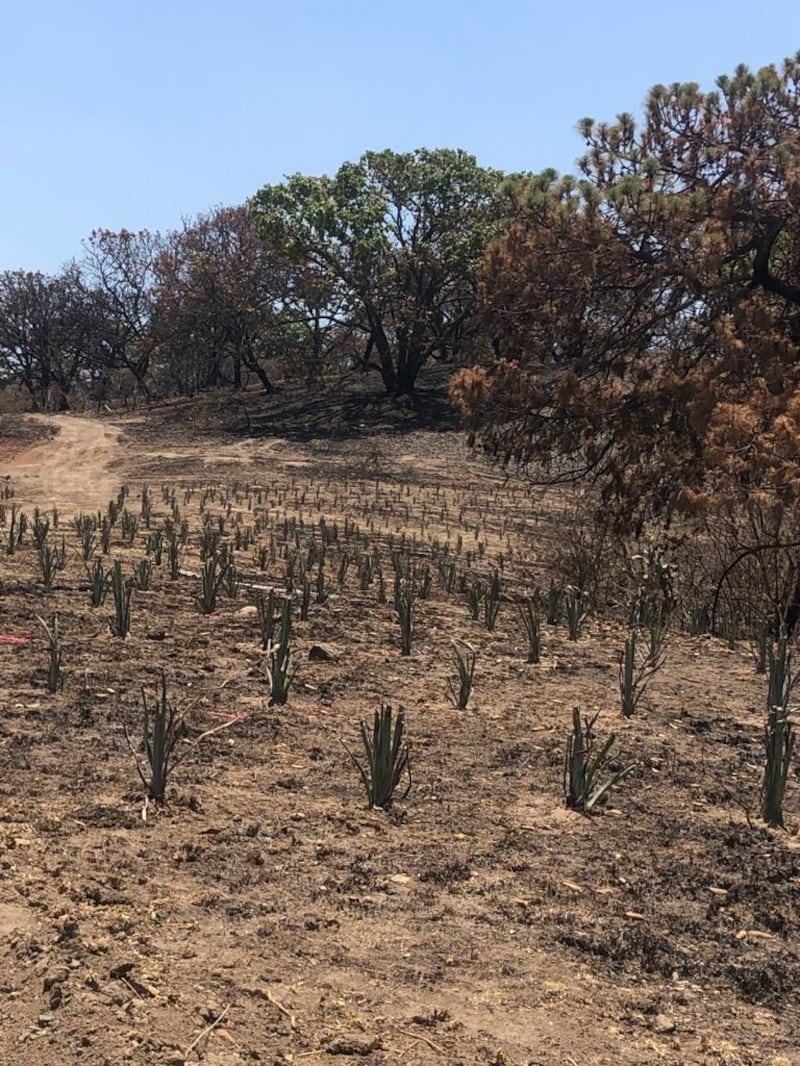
(323, 653)
(663, 1024)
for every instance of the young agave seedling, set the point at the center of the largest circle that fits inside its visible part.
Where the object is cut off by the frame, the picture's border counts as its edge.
(130, 526)
(143, 574)
(54, 653)
(554, 597)
(387, 757)
(155, 545)
(779, 736)
(172, 533)
(163, 728)
(16, 529)
(122, 591)
(581, 769)
(212, 576)
(279, 671)
(491, 604)
(52, 561)
(147, 505)
(40, 528)
(99, 581)
(105, 535)
(465, 656)
(405, 613)
(476, 591)
(532, 624)
(231, 580)
(574, 605)
(85, 526)
(265, 611)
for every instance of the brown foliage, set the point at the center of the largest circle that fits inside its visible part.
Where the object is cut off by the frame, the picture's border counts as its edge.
(648, 314)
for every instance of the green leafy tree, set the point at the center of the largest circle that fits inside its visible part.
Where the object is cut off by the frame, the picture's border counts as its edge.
(393, 241)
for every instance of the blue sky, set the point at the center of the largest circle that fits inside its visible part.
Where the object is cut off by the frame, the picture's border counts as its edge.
(137, 114)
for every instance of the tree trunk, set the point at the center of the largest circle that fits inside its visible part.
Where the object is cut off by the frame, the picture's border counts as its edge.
(261, 374)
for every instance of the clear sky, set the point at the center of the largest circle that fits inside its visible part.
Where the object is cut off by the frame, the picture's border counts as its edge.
(135, 113)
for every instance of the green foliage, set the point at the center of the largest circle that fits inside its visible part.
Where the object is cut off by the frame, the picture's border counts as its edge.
(231, 580)
(147, 505)
(391, 245)
(582, 768)
(154, 545)
(105, 535)
(387, 757)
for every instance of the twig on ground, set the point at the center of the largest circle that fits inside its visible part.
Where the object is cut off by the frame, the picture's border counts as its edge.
(425, 1040)
(209, 1028)
(284, 1010)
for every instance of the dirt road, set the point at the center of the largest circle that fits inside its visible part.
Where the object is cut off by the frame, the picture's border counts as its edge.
(73, 469)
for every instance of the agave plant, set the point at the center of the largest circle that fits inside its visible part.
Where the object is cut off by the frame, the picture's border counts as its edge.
(582, 768)
(465, 657)
(387, 759)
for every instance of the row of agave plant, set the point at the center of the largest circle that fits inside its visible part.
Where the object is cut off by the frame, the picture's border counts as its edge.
(315, 558)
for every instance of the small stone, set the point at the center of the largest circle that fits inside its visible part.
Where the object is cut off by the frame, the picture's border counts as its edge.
(663, 1024)
(322, 653)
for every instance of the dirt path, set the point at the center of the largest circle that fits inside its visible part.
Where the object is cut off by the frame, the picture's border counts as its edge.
(73, 470)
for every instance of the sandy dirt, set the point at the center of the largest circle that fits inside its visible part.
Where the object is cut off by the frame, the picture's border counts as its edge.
(265, 914)
(72, 468)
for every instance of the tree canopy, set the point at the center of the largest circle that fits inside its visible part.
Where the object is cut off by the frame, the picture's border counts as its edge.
(647, 312)
(394, 240)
